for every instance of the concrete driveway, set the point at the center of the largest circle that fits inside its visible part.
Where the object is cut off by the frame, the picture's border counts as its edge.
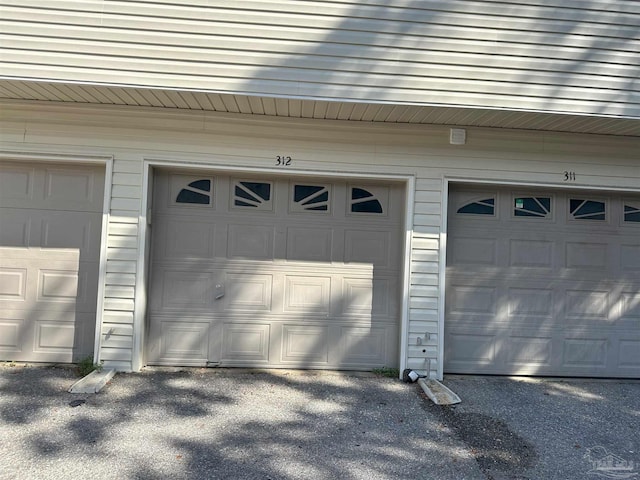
(234, 424)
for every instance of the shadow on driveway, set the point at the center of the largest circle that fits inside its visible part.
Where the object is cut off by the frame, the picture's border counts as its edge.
(224, 424)
(239, 424)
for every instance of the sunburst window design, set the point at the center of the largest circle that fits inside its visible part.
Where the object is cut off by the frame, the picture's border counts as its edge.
(539, 207)
(363, 201)
(631, 213)
(583, 209)
(479, 207)
(311, 198)
(255, 195)
(197, 192)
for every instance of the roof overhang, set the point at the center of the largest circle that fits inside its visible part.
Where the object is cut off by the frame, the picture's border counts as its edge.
(311, 108)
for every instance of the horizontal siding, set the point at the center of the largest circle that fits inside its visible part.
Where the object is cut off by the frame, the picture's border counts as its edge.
(579, 57)
(122, 253)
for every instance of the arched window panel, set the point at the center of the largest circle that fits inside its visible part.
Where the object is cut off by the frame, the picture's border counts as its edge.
(632, 212)
(252, 195)
(310, 198)
(585, 209)
(366, 200)
(369, 199)
(197, 192)
(486, 206)
(536, 207)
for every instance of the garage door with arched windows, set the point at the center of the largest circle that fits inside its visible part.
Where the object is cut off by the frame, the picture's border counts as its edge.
(542, 282)
(278, 272)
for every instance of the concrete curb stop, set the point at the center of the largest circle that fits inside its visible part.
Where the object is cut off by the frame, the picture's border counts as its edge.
(93, 382)
(438, 393)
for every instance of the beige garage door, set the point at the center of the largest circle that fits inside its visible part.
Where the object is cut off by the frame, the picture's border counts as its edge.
(50, 222)
(543, 282)
(251, 271)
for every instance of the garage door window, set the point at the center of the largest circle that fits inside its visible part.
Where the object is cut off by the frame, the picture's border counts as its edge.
(632, 213)
(310, 198)
(537, 207)
(254, 195)
(197, 192)
(363, 201)
(583, 209)
(479, 207)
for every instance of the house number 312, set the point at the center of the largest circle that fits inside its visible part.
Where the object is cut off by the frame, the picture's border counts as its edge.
(569, 176)
(283, 161)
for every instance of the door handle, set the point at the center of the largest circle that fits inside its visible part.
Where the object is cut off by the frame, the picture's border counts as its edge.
(219, 291)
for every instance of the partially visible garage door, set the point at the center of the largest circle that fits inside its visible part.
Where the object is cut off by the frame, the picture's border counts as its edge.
(50, 225)
(543, 282)
(250, 271)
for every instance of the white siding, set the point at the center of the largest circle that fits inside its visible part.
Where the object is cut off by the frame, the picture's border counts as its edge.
(576, 57)
(122, 253)
(239, 142)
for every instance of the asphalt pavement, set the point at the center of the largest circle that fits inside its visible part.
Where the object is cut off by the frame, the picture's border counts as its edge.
(286, 425)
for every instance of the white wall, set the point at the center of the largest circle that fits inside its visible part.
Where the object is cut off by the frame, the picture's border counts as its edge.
(572, 57)
(132, 135)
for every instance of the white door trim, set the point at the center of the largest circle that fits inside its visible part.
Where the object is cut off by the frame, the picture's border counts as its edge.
(143, 254)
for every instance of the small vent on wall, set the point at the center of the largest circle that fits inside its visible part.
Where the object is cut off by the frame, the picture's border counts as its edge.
(457, 136)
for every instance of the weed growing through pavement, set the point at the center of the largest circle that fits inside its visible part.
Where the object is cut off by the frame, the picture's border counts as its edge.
(85, 366)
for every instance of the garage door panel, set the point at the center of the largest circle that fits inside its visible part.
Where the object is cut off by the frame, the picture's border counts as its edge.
(251, 241)
(183, 338)
(66, 230)
(630, 258)
(587, 304)
(58, 285)
(383, 304)
(312, 244)
(307, 294)
(16, 228)
(566, 301)
(630, 306)
(369, 247)
(531, 253)
(629, 354)
(246, 342)
(186, 238)
(363, 346)
(529, 350)
(472, 299)
(587, 255)
(73, 189)
(305, 344)
(11, 326)
(585, 352)
(54, 336)
(531, 302)
(13, 284)
(473, 251)
(248, 292)
(468, 348)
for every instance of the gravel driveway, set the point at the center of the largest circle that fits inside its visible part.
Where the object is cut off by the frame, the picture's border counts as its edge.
(223, 424)
(236, 424)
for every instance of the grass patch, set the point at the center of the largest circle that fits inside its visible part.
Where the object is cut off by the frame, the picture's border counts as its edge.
(85, 366)
(387, 372)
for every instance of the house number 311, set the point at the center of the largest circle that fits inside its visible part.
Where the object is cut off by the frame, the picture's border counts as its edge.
(569, 176)
(283, 161)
